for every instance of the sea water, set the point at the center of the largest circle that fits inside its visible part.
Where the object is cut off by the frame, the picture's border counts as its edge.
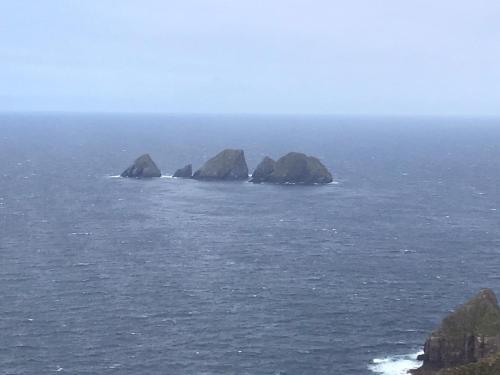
(102, 275)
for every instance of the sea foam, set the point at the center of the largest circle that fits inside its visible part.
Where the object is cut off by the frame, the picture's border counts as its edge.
(395, 365)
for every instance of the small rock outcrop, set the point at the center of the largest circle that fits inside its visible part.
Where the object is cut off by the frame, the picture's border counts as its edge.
(263, 170)
(184, 172)
(294, 168)
(143, 167)
(465, 337)
(228, 165)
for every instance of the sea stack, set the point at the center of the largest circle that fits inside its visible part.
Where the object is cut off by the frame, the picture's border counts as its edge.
(263, 170)
(228, 165)
(293, 168)
(184, 172)
(143, 167)
(468, 339)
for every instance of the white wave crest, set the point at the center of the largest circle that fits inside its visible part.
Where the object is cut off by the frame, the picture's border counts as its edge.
(395, 365)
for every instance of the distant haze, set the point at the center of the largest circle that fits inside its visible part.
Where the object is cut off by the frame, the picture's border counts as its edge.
(381, 57)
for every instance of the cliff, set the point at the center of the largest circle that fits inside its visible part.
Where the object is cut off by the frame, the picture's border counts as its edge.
(466, 336)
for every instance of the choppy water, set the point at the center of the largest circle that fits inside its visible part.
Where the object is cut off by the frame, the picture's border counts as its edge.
(105, 275)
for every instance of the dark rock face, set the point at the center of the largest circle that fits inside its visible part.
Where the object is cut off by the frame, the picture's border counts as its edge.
(466, 336)
(263, 170)
(143, 167)
(227, 165)
(185, 172)
(296, 168)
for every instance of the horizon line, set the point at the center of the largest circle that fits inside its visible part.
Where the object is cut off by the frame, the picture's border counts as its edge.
(250, 114)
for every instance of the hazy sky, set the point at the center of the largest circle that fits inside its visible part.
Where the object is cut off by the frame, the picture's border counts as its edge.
(251, 56)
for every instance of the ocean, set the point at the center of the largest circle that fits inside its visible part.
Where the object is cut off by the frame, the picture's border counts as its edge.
(105, 275)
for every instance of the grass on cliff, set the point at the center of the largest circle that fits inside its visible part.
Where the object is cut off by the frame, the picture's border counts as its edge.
(487, 366)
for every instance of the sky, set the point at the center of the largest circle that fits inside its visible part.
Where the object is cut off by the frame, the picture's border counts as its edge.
(349, 57)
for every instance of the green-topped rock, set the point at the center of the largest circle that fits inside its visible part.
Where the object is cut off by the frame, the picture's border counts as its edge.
(296, 168)
(487, 366)
(467, 335)
(227, 165)
(143, 167)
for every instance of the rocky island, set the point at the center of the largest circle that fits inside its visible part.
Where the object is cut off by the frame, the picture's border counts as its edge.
(143, 167)
(263, 170)
(184, 172)
(228, 165)
(293, 168)
(467, 342)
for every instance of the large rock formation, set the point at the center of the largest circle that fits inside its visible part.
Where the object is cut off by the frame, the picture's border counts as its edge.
(184, 172)
(293, 168)
(143, 167)
(263, 170)
(486, 366)
(226, 165)
(466, 336)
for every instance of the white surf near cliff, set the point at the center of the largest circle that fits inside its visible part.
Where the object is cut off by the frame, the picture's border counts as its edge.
(395, 365)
